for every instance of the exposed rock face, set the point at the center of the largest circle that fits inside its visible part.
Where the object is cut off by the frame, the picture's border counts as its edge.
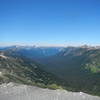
(13, 91)
(2, 56)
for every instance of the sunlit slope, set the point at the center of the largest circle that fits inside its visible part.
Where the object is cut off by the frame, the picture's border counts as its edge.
(26, 71)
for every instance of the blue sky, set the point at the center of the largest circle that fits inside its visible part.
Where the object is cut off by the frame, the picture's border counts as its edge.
(49, 22)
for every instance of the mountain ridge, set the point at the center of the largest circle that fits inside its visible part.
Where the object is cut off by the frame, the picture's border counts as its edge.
(20, 69)
(77, 67)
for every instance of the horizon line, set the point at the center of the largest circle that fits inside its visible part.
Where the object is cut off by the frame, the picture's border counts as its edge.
(4, 44)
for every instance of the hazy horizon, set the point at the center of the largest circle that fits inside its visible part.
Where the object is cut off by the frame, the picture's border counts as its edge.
(46, 45)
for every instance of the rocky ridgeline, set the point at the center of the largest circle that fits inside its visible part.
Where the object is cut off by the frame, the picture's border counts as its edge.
(12, 91)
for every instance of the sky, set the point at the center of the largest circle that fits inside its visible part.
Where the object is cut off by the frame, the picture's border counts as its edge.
(50, 22)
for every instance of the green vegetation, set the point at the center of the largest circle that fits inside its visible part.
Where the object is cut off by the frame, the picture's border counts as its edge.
(19, 69)
(73, 69)
(78, 67)
(54, 86)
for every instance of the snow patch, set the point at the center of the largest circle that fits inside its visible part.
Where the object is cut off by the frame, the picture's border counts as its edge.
(0, 73)
(2, 56)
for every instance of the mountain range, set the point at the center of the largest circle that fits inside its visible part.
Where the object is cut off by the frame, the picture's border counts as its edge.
(20, 69)
(73, 68)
